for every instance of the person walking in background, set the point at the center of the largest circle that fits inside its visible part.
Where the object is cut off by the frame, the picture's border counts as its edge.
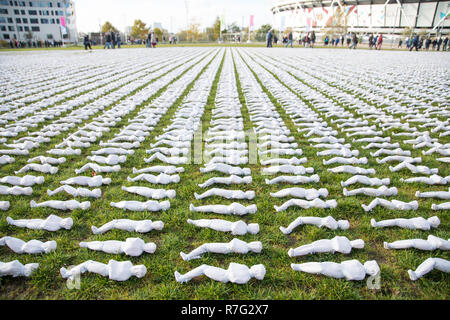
(87, 43)
(119, 41)
(414, 43)
(342, 40)
(379, 41)
(354, 41)
(313, 39)
(325, 42)
(269, 39)
(107, 41)
(153, 40)
(427, 44)
(336, 42)
(290, 40)
(149, 40)
(439, 43)
(113, 40)
(400, 42)
(307, 40)
(445, 43)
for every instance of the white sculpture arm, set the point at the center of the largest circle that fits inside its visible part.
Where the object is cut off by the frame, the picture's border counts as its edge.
(16, 269)
(156, 194)
(16, 191)
(62, 205)
(328, 222)
(162, 178)
(413, 223)
(294, 179)
(141, 226)
(350, 269)
(227, 194)
(76, 192)
(236, 228)
(226, 169)
(119, 271)
(131, 246)
(337, 244)
(150, 205)
(31, 247)
(427, 266)
(365, 180)
(308, 194)
(52, 223)
(432, 243)
(226, 180)
(305, 204)
(233, 209)
(382, 191)
(393, 205)
(99, 169)
(236, 273)
(234, 246)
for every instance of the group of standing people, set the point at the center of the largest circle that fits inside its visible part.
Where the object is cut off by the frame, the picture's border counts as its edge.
(112, 39)
(375, 41)
(417, 43)
(15, 44)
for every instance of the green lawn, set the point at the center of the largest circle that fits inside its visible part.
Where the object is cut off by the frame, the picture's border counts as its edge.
(281, 282)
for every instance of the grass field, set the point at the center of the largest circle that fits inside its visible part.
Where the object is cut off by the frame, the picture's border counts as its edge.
(280, 282)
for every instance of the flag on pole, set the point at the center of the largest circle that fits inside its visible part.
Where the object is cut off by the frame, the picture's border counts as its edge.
(63, 25)
(252, 17)
(222, 22)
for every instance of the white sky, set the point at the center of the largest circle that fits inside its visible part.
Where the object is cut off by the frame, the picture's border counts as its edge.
(122, 13)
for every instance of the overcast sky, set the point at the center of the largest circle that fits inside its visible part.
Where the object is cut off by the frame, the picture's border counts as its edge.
(170, 13)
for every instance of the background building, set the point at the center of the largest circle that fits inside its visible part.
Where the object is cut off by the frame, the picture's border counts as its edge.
(394, 16)
(38, 20)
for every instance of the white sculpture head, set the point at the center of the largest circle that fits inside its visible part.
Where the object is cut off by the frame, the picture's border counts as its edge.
(171, 193)
(258, 271)
(358, 243)
(371, 267)
(434, 221)
(255, 246)
(343, 224)
(323, 192)
(149, 247)
(66, 223)
(253, 228)
(139, 270)
(29, 268)
(49, 246)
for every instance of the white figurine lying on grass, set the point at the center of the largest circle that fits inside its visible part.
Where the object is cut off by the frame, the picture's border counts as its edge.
(96, 181)
(337, 244)
(131, 246)
(31, 247)
(234, 246)
(16, 191)
(16, 269)
(427, 266)
(62, 205)
(226, 169)
(52, 223)
(432, 243)
(444, 195)
(442, 206)
(382, 191)
(412, 223)
(305, 204)
(432, 180)
(141, 226)
(156, 194)
(43, 168)
(115, 270)
(149, 205)
(47, 160)
(352, 170)
(232, 209)
(392, 205)
(328, 222)
(236, 273)
(226, 180)
(110, 160)
(227, 194)
(76, 192)
(236, 228)
(26, 181)
(308, 194)
(365, 180)
(350, 269)
(162, 178)
(97, 168)
(159, 169)
(294, 179)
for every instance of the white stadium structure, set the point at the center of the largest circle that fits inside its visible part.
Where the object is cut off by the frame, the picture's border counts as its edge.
(365, 16)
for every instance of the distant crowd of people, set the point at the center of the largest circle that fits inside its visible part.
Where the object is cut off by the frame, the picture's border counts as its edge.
(418, 43)
(15, 44)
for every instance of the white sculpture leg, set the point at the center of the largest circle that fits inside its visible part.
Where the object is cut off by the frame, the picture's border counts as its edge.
(337, 244)
(413, 223)
(328, 222)
(131, 246)
(156, 194)
(233, 209)
(305, 204)
(392, 205)
(141, 226)
(236, 273)
(31, 247)
(350, 269)
(227, 194)
(52, 223)
(16, 269)
(428, 266)
(115, 270)
(234, 246)
(236, 228)
(432, 243)
(142, 206)
(76, 192)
